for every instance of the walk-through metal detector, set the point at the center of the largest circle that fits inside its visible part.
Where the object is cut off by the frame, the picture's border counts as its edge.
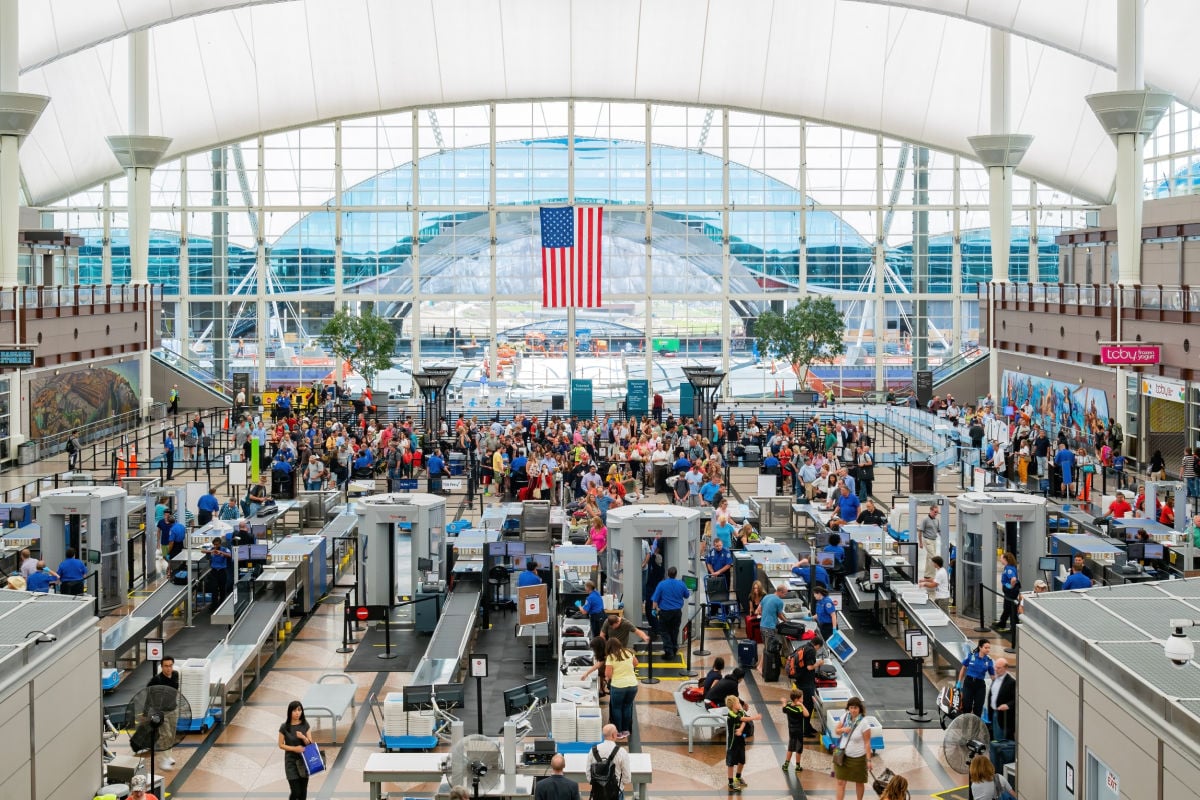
(93, 521)
(677, 527)
(918, 507)
(992, 522)
(174, 498)
(1156, 490)
(398, 534)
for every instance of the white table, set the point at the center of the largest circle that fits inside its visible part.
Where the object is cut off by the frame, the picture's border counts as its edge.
(384, 768)
(640, 770)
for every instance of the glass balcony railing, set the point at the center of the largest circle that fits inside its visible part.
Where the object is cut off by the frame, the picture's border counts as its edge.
(1133, 298)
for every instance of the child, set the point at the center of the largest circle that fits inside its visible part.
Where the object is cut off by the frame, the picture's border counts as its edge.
(796, 714)
(735, 741)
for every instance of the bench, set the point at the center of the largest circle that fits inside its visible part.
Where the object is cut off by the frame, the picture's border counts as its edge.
(331, 699)
(695, 715)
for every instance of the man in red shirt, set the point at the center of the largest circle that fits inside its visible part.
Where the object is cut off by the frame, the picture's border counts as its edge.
(1119, 507)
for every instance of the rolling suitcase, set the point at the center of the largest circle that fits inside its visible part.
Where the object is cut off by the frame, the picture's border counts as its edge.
(747, 652)
(771, 665)
(753, 630)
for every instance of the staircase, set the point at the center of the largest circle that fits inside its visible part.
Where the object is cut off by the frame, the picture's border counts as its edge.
(199, 387)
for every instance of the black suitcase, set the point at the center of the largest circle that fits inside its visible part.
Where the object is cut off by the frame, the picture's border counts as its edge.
(771, 666)
(747, 652)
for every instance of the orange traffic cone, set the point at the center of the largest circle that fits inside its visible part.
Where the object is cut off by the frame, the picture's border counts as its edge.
(133, 467)
(121, 473)
(226, 424)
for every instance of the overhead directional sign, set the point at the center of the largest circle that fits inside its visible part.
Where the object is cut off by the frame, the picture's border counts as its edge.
(16, 358)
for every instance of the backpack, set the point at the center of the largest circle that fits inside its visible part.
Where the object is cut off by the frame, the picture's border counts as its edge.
(795, 665)
(693, 694)
(603, 776)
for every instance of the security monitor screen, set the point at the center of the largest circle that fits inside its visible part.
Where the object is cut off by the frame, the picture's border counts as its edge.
(542, 560)
(258, 552)
(242, 552)
(259, 531)
(1154, 551)
(4, 514)
(496, 549)
(516, 548)
(1047, 563)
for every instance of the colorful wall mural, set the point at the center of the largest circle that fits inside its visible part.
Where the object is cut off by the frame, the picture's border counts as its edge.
(58, 403)
(1055, 404)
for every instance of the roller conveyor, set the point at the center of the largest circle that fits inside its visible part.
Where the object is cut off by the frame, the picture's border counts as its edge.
(450, 638)
(127, 633)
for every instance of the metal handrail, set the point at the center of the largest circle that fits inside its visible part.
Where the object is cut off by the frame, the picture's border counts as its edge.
(193, 370)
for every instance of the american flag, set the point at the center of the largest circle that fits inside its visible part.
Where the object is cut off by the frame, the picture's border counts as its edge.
(571, 251)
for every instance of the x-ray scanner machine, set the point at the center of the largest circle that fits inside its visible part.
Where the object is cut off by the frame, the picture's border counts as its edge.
(93, 521)
(678, 531)
(402, 544)
(991, 522)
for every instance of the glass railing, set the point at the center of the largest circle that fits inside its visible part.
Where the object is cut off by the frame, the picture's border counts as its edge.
(193, 370)
(1150, 298)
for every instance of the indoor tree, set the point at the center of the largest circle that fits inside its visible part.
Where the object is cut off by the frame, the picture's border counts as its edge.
(365, 340)
(811, 332)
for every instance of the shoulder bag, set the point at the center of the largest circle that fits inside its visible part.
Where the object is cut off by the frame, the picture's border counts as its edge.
(1001, 792)
(839, 754)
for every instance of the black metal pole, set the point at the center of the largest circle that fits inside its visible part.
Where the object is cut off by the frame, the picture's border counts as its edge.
(650, 679)
(983, 628)
(701, 651)
(479, 703)
(687, 650)
(345, 648)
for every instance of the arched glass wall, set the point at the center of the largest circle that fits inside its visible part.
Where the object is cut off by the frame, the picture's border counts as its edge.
(713, 216)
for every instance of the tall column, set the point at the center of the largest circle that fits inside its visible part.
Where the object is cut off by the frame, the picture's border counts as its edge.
(138, 153)
(18, 114)
(1129, 115)
(648, 244)
(572, 345)
(1000, 152)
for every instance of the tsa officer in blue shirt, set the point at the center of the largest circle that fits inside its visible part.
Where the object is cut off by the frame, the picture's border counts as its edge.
(176, 535)
(40, 580)
(593, 606)
(669, 597)
(207, 506)
(826, 612)
(72, 572)
(719, 561)
(529, 576)
(975, 668)
(1077, 580)
(218, 576)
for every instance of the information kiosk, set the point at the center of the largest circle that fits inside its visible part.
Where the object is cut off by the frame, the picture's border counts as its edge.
(401, 544)
(992, 522)
(676, 530)
(93, 522)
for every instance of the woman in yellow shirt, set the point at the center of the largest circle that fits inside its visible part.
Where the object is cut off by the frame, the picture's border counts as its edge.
(620, 663)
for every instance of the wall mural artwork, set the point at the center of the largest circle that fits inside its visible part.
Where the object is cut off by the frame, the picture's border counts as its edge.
(59, 403)
(1055, 404)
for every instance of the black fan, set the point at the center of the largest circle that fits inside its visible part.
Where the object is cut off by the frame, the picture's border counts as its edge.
(155, 715)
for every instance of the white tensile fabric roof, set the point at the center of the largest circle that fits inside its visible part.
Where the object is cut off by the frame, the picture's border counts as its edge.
(225, 70)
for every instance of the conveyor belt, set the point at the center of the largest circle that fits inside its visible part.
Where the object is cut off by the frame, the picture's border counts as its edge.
(340, 525)
(451, 637)
(257, 623)
(147, 616)
(946, 640)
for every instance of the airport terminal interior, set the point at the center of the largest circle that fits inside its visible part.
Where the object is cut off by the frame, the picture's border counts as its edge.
(506, 383)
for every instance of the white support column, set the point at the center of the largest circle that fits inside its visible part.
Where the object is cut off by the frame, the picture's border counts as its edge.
(183, 307)
(879, 303)
(572, 345)
(1000, 152)
(726, 311)
(19, 113)
(106, 224)
(493, 358)
(339, 275)
(802, 187)
(1129, 115)
(262, 322)
(956, 271)
(415, 314)
(647, 245)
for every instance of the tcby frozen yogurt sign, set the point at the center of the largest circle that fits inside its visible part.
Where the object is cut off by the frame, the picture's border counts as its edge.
(1126, 355)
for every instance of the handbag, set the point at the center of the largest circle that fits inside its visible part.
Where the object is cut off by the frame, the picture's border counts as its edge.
(880, 782)
(314, 762)
(1001, 792)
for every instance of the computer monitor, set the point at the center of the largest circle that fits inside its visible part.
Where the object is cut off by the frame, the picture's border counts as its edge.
(516, 548)
(424, 564)
(542, 560)
(450, 695)
(516, 700)
(1153, 551)
(827, 560)
(241, 552)
(93, 556)
(1047, 563)
(691, 583)
(517, 562)
(4, 513)
(258, 530)
(1136, 551)
(418, 698)
(496, 549)
(258, 552)
(538, 689)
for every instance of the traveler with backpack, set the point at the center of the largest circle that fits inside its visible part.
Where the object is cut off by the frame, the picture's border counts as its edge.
(556, 786)
(802, 671)
(608, 767)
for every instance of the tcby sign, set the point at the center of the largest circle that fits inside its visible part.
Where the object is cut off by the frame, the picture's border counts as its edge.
(1130, 355)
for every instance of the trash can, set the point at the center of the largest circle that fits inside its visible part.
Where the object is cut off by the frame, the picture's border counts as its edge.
(28, 452)
(457, 464)
(921, 477)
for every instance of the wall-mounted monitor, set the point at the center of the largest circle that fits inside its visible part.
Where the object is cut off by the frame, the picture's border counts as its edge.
(1047, 563)
(496, 549)
(93, 556)
(516, 548)
(1136, 551)
(258, 530)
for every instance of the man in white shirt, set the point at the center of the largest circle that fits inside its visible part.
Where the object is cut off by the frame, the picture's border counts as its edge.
(620, 762)
(939, 583)
(928, 533)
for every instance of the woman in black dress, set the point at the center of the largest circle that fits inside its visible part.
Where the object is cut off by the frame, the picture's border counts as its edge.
(293, 736)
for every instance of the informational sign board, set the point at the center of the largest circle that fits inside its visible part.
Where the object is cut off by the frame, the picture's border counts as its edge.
(239, 473)
(453, 484)
(924, 387)
(12, 359)
(581, 398)
(479, 665)
(876, 575)
(895, 667)
(637, 398)
(917, 645)
(407, 484)
(154, 649)
(366, 613)
(531, 605)
(241, 382)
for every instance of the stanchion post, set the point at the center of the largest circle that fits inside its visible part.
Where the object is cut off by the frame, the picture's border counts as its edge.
(687, 651)
(346, 637)
(1015, 625)
(650, 679)
(701, 651)
(983, 628)
(479, 702)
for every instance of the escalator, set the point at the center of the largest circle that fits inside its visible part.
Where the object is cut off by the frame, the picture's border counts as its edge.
(198, 386)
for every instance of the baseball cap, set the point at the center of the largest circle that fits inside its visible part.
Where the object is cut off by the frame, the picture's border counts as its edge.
(139, 783)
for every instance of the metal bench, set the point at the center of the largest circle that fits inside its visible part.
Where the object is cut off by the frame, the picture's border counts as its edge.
(330, 700)
(694, 715)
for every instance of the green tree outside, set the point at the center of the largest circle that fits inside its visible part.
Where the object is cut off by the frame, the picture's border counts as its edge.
(367, 341)
(811, 332)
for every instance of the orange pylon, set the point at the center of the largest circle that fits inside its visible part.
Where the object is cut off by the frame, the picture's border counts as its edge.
(121, 473)
(226, 424)
(133, 467)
